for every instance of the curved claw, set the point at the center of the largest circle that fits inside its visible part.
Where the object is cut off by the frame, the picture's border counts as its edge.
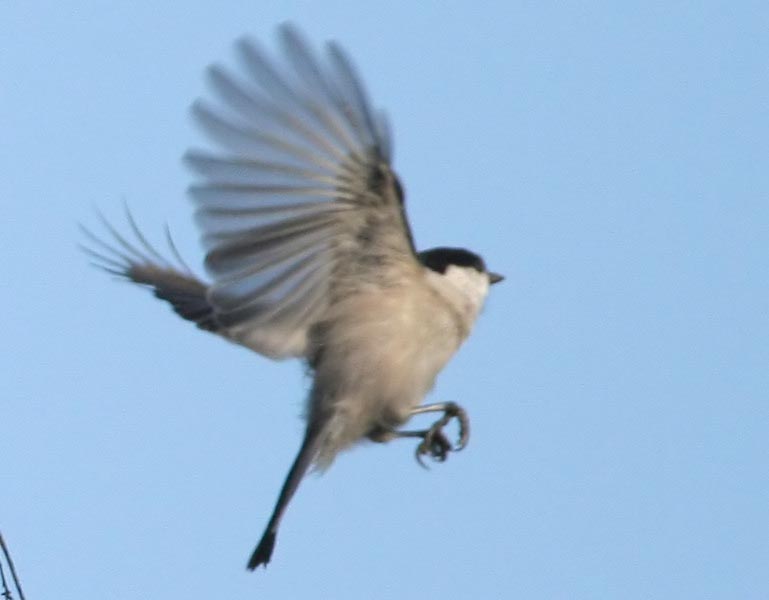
(435, 444)
(434, 441)
(464, 429)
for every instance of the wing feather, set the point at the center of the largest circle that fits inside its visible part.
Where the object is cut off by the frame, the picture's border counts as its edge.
(302, 197)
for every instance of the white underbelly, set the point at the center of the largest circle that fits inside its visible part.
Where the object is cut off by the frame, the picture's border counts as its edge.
(379, 360)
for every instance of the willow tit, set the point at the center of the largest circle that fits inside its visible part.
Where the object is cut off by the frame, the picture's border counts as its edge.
(310, 255)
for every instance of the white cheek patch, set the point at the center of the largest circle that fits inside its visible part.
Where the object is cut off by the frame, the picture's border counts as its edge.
(472, 284)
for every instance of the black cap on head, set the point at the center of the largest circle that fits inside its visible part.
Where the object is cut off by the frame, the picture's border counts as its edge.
(439, 259)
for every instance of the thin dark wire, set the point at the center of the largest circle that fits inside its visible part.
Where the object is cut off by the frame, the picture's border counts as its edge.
(6, 592)
(11, 567)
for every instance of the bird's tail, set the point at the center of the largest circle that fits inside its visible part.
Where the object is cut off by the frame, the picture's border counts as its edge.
(304, 459)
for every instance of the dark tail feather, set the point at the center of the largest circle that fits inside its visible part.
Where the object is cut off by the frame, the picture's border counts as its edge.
(302, 462)
(263, 552)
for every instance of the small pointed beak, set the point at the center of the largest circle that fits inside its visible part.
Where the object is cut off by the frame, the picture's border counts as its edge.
(495, 278)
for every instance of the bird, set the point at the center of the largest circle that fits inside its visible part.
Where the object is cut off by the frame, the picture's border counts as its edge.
(309, 255)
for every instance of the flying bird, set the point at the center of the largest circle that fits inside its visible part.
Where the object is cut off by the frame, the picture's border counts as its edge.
(310, 255)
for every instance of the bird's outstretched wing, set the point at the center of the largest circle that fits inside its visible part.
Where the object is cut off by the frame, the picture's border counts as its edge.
(301, 202)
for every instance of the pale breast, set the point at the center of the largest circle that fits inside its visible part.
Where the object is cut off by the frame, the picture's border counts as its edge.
(381, 351)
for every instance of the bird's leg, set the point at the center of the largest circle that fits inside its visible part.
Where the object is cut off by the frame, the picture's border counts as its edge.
(434, 441)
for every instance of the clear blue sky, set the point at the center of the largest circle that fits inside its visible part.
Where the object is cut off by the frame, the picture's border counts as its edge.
(611, 160)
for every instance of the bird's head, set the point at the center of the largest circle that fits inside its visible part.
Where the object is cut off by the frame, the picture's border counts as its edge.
(460, 271)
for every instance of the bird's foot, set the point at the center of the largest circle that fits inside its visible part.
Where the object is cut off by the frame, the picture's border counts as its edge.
(435, 443)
